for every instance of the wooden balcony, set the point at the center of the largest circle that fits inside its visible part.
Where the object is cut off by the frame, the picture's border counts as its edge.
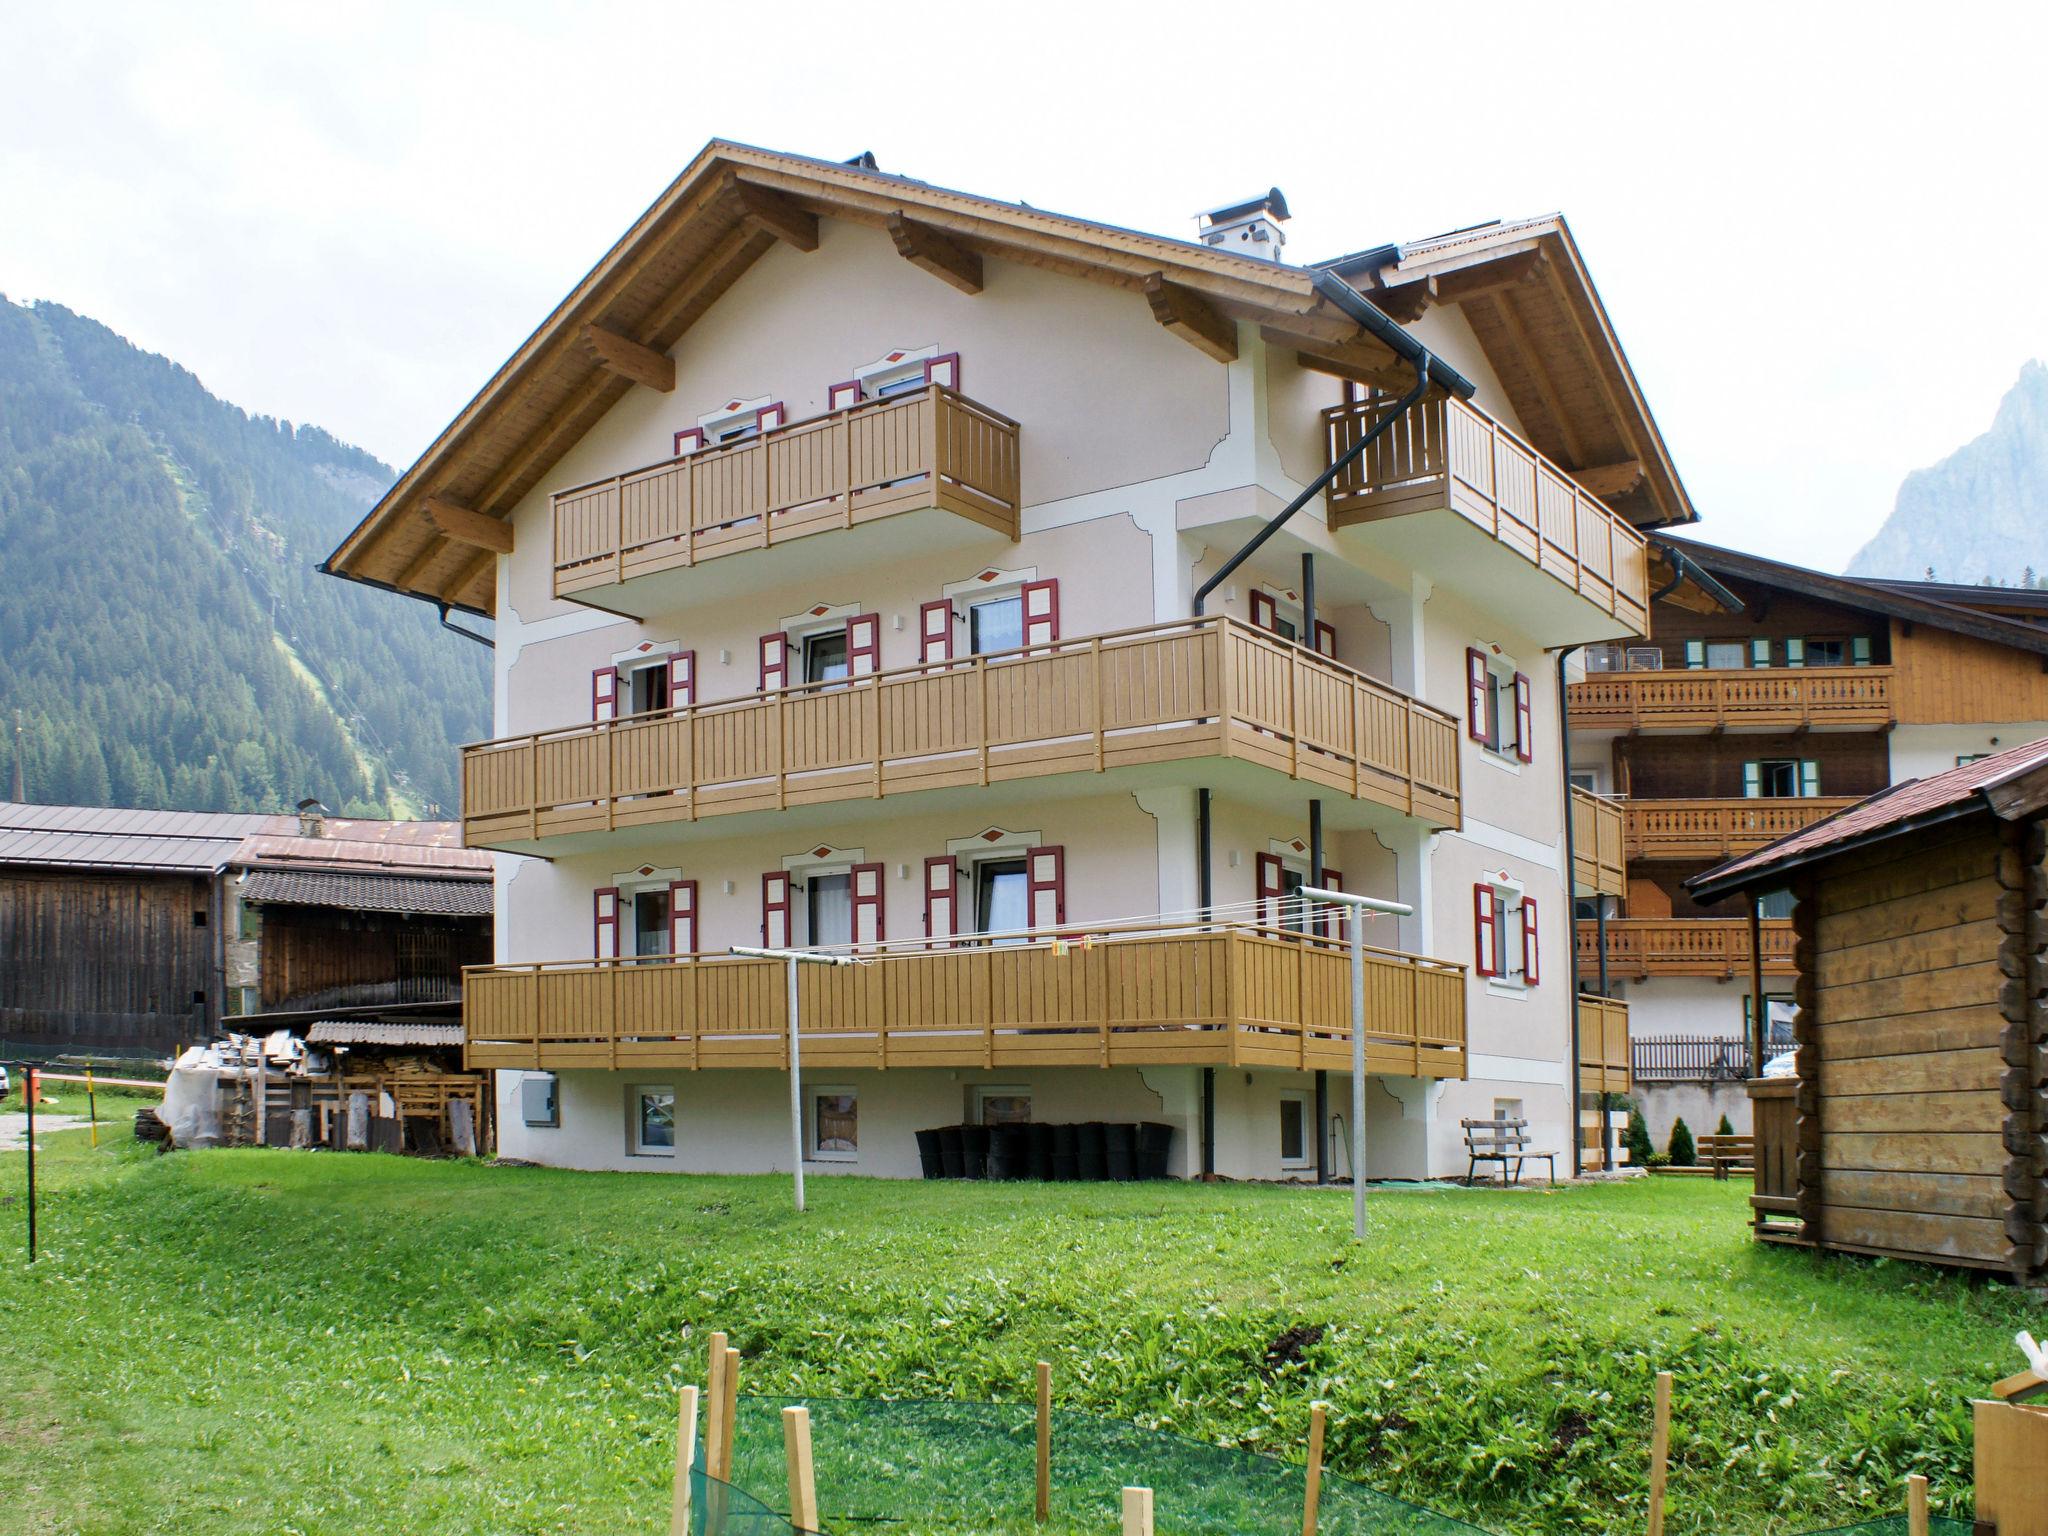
(1444, 453)
(1603, 1044)
(1717, 829)
(1220, 996)
(1640, 947)
(935, 451)
(1759, 699)
(1132, 700)
(1597, 860)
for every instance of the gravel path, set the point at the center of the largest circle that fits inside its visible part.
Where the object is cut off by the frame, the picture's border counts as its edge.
(14, 1129)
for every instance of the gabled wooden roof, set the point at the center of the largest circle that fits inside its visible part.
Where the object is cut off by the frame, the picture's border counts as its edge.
(436, 532)
(1524, 289)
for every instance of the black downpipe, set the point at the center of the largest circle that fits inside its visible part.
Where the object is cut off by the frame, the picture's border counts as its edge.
(1208, 1122)
(1308, 598)
(1571, 885)
(468, 634)
(1600, 930)
(1205, 895)
(1322, 1126)
(1315, 843)
(1322, 482)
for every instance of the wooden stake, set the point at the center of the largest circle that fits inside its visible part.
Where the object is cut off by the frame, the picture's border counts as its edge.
(803, 1482)
(1137, 1512)
(730, 1384)
(1916, 1505)
(714, 1406)
(686, 1459)
(1044, 1442)
(1316, 1414)
(1660, 1450)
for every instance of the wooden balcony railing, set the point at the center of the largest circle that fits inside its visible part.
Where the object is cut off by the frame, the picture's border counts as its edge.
(1717, 829)
(1603, 1045)
(1444, 452)
(1683, 946)
(848, 467)
(1777, 698)
(1598, 866)
(1215, 996)
(1211, 687)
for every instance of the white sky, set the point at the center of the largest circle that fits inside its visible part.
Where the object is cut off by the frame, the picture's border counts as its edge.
(1819, 229)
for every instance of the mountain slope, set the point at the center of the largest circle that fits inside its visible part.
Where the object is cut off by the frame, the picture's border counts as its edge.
(1981, 513)
(164, 634)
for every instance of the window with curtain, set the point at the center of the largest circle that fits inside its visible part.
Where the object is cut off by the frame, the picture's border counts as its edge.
(1002, 898)
(830, 901)
(996, 625)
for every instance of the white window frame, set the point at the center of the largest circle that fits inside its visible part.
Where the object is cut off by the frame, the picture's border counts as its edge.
(1509, 1109)
(983, 1092)
(629, 886)
(813, 1152)
(801, 868)
(635, 1092)
(1307, 1159)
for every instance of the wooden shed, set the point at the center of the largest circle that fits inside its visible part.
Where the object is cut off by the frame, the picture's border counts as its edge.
(1918, 1123)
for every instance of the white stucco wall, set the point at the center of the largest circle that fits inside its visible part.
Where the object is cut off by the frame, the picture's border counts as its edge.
(1919, 750)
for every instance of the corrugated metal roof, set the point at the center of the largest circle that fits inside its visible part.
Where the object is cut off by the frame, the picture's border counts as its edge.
(463, 896)
(106, 837)
(1900, 806)
(381, 1032)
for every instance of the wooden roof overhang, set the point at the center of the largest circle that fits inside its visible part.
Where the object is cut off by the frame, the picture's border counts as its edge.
(1526, 293)
(436, 533)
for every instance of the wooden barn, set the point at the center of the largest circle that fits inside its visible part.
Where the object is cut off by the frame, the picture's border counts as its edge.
(1917, 1126)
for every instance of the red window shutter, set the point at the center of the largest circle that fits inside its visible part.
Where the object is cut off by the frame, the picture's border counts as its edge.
(604, 693)
(1333, 924)
(1041, 612)
(605, 920)
(1045, 878)
(1483, 918)
(1326, 640)
(1269, 869)
(775, 909)
(682, 679)
(1265, 612)
(1479, 694)
(863, 644)
(935, 631)
(1530, 946)
(867, 903)
(774, 661)
(941, 897)
(682, 917)
(1525, 729)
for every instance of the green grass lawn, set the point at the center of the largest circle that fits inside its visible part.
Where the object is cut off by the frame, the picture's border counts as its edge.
(246, 1341)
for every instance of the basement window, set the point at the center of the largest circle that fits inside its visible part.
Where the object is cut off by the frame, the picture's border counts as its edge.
(1294, 1137)
(835, 1125)
(653, 1127)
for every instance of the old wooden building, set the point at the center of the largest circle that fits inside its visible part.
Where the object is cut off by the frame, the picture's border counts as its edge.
(125, 930)
(1919, 1119)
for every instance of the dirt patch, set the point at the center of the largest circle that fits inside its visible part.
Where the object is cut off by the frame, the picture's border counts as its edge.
(1572, 1427)
(1291, 1347)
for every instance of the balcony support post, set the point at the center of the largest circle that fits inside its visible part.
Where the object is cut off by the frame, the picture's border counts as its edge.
(1205, 892)
(1759, 1025)
(1600, 937)
(1208, 1123)
(1322, 1126)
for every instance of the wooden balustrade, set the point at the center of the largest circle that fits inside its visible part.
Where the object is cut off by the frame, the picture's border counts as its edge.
(1217, 996)
(932, 449)
(1757, 699)
(1211, 687)
(1718, 829)
(1683, 946)
(1447, 453)
(1598, 864)
(1603, 1044)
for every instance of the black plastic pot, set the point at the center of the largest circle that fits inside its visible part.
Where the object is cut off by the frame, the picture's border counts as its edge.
(1155, 1143)
(1089, 1155)
(1120, 1150)
(929, 1156)
(1041, 1151)
(1009, 1152)
(974, 1150)
(952, 1152)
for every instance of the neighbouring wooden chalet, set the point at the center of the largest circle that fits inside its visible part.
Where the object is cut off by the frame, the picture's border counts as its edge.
(1917, 1126)
(132, 931)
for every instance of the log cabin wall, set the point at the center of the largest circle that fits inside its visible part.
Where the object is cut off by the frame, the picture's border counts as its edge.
(1963, 680)
(103, 961)
(318, 957)
(1904, 953)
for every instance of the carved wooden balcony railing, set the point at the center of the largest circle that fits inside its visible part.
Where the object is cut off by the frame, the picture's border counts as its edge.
(1639, 947)
(1757, 699)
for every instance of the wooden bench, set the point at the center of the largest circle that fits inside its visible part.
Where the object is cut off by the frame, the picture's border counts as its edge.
(1503, 1142)
(1726, 1153)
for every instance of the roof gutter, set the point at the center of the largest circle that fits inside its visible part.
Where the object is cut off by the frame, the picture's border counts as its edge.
(1707, 891)
(326, 568)
(1356, 306)
(1685, 566)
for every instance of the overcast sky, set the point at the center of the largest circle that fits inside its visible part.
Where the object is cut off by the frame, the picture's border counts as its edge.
(1818, 229)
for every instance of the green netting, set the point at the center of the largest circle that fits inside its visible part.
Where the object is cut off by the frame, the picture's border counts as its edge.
(719, 1508)
(946, 1466)
(1896, 1525)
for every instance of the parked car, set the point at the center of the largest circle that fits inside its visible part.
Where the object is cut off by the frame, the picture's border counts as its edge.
(3, 1083)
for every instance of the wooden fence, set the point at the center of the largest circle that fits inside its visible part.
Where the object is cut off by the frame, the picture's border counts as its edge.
(1700, 1058)
(1218, 996)
(1210, 687)
(847, 467)
(1444, 452)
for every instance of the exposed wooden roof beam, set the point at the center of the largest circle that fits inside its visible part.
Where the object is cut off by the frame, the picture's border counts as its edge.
(467, 576)
(1478, 282)
(778, 215)
(1539, 375)
(629, 360)
(1359, 362)
(1609, 480)
(1407, 302)
(1192, 318)
(410, 572)
(454, 521)
(924, 247)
